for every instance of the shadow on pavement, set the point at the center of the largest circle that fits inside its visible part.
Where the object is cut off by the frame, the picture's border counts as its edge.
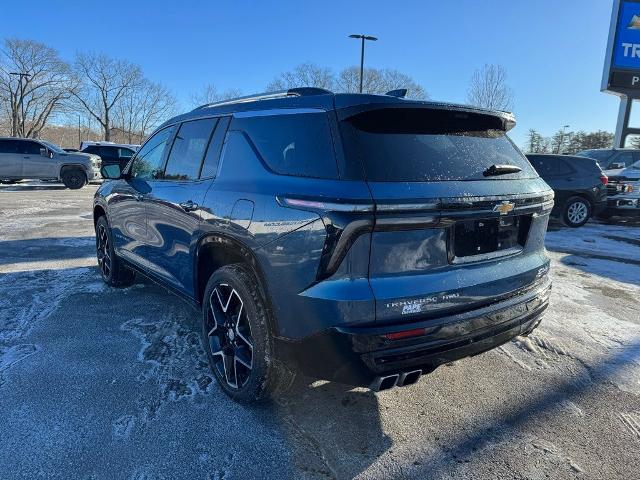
(499, 428)
(46, 249)
(621, 270)
(334, 430)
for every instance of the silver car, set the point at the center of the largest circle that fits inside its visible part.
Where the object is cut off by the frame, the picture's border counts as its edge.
(25, 158)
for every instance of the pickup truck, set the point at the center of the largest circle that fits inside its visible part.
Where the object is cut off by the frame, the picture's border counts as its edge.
(623, 191)
(26, 158)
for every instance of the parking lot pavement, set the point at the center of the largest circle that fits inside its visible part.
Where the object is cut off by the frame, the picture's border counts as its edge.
(98, 382)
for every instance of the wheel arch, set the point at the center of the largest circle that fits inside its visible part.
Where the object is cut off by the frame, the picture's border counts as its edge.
(216, 250)
(98, 211)
(67, 166)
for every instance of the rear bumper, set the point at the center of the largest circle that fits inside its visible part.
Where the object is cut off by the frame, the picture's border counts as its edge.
(361, 355)
(623, 206)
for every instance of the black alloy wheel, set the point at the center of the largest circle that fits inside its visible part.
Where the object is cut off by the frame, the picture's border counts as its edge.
(229, 336)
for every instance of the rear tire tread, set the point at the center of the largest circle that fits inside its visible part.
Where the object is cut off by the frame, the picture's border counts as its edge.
(275, 378)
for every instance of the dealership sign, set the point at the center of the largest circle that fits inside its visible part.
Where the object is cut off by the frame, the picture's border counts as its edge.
(622, 63)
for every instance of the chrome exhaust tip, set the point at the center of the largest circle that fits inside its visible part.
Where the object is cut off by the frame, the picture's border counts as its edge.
(409, 378)
(384, 383)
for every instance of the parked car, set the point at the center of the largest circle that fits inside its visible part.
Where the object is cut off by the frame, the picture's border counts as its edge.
(612, 158)
(22, 158)
(362, 239)
(624, 192)
(119, 153)
(579, 184)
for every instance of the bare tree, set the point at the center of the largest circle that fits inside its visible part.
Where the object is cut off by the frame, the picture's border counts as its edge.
(210, 94)
(104, 83)
(378, 81)
(304, 75)
(374, 81)
(34, 85)
(488, 88)
(143, 108)
(536, 143)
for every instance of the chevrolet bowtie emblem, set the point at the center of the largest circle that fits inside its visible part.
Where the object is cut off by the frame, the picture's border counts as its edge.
(504, 208)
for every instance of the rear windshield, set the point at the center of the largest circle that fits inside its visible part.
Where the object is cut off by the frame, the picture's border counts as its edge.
(421, 145)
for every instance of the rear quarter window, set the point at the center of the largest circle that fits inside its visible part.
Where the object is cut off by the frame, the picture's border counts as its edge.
(297, 144)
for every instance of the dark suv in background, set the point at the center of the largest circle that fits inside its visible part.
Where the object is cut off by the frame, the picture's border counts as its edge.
(363, 239)
(110, 153)
(579, 184)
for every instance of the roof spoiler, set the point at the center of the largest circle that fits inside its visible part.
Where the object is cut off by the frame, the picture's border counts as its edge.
(399, 93)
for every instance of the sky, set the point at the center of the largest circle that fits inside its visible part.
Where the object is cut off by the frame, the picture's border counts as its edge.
(553, 50)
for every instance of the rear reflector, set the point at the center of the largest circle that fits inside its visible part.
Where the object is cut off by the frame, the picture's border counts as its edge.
(416, 332)
(604, 179)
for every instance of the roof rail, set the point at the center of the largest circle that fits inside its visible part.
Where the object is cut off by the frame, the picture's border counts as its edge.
(292, 92)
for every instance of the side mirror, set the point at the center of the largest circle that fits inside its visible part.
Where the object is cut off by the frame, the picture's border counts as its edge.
(111, 171)
(45, 152)
(616, 165)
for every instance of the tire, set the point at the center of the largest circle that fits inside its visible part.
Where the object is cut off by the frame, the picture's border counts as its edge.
(112, 270)
(237, 338)
(577, 212)
(74, 178)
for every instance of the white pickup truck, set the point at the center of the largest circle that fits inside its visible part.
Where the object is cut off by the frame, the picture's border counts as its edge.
(26, 158)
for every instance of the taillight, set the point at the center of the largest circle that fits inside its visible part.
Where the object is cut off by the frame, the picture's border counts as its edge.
(604, 179)
(344, 223)
(416, 332)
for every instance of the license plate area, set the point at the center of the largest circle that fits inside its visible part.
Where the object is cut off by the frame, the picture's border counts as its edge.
(489, 235)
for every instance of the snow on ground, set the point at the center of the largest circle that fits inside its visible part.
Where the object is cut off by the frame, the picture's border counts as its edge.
(112, 383)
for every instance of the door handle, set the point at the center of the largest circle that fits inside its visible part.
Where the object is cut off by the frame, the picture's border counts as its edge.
(189, 206)
(139, 197)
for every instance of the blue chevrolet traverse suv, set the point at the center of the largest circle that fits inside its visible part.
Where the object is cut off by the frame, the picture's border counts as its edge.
(362, 239)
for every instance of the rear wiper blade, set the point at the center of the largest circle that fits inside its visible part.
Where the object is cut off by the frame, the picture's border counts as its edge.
(494, 170)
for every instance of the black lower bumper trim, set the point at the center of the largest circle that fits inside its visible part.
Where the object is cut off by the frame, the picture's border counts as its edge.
(356, 356)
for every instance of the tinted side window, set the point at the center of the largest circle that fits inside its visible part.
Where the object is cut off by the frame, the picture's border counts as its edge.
(550, 166)
(561, 167)
(125, 153)
(29, 148)
(108, 152)
(148, 161)
(296, 144)
(212, 158)
(188, 149)
(8, 146)
(624, 157)
(91, 149)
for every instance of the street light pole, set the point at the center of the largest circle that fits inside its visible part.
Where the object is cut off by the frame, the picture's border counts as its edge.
(21, 103)
(561, 143)
(362, 39)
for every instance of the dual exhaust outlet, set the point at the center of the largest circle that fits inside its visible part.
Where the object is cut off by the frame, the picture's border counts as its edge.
(395, 380)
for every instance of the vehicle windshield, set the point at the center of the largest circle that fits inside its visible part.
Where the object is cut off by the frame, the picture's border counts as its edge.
(600, 156)
(421, 145)
(52, 146)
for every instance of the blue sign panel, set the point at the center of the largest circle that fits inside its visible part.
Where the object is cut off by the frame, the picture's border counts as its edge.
(626, 51)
